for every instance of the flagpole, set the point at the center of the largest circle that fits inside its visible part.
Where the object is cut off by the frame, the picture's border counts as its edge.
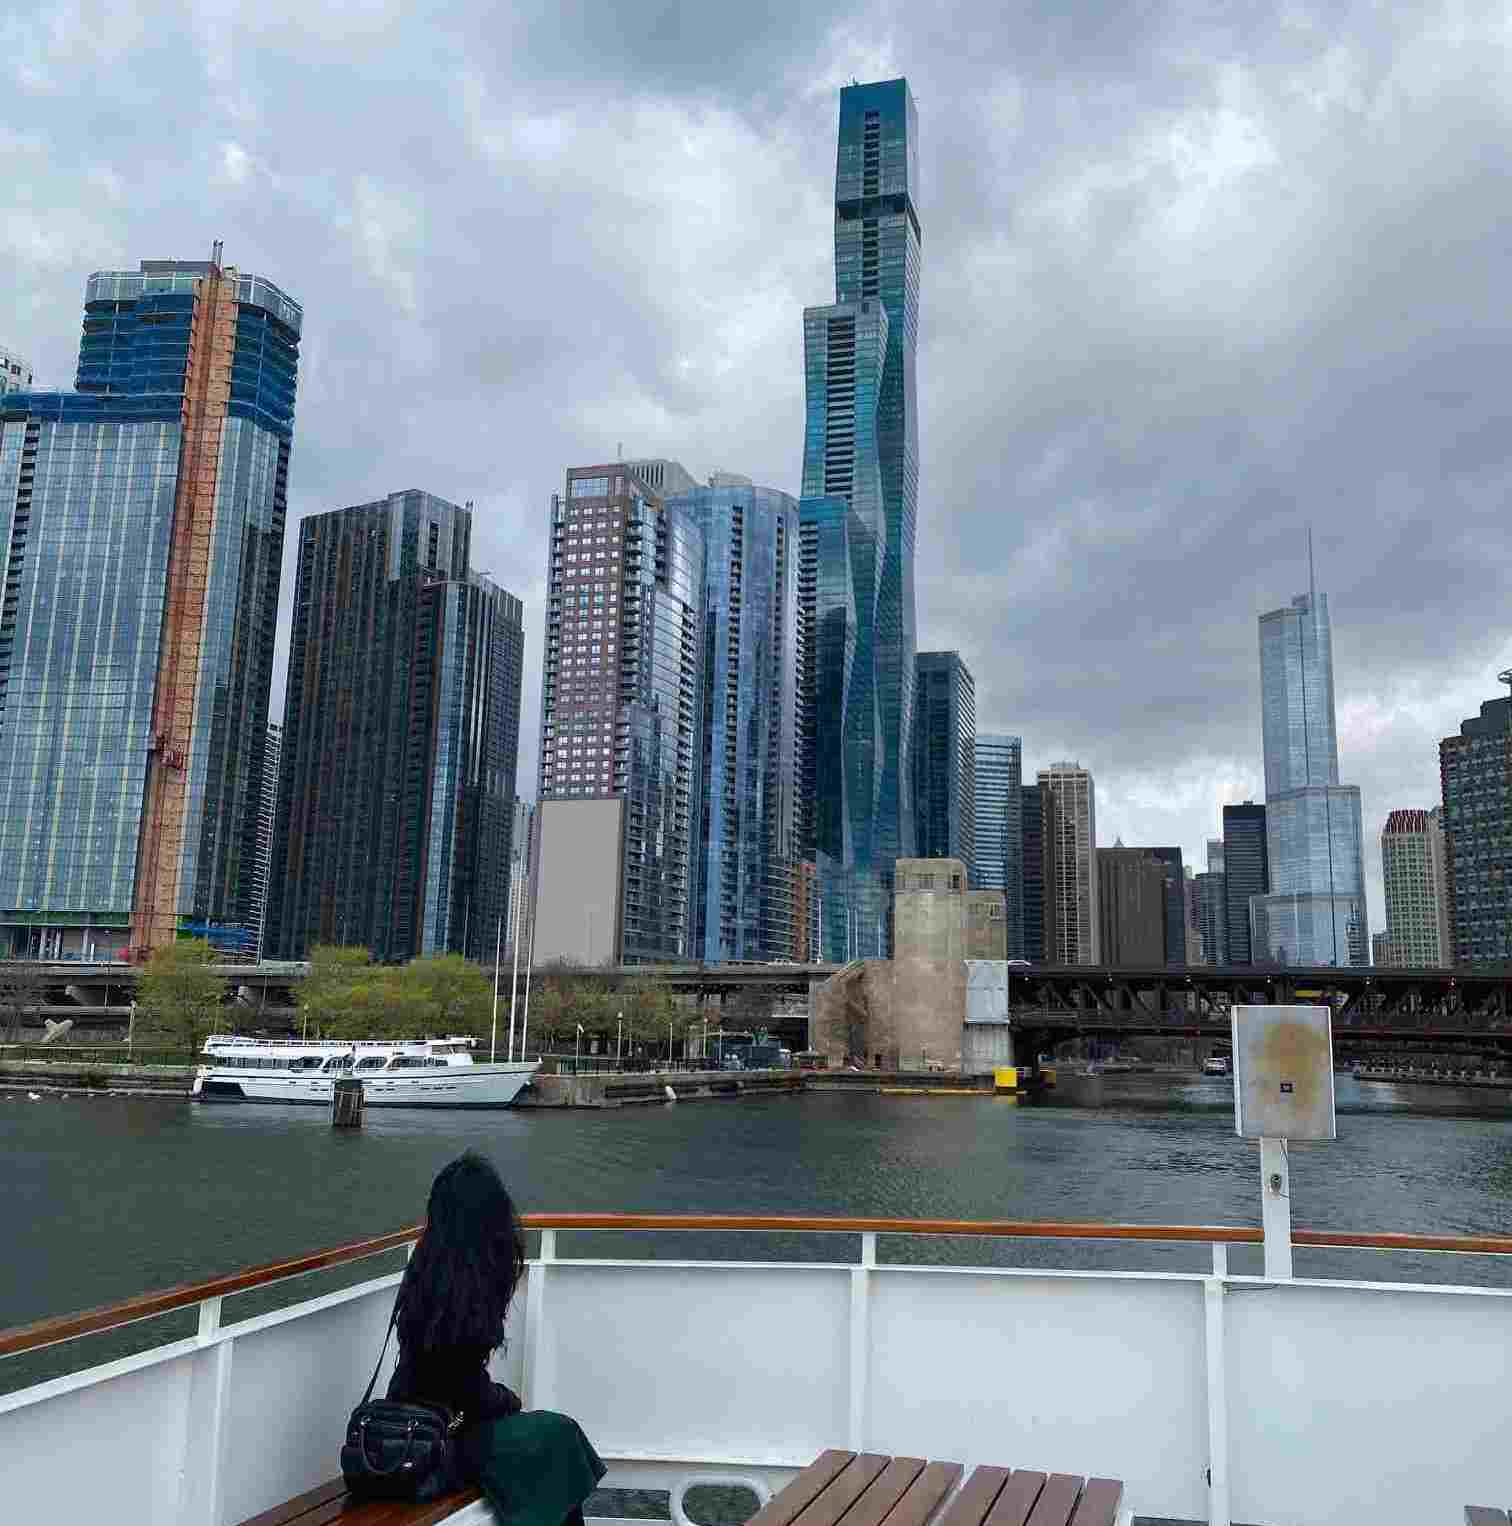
(529, 966)
(493, 1042)
(514, 980)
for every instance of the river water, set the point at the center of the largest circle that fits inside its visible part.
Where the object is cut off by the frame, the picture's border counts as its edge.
(104, 1196)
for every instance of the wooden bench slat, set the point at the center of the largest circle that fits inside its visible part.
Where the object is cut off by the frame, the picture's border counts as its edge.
(302, 1504)
(399, 1513)
(1057, 1500)
(923, 1495)
(848, 1485)
(1100, 1503)
(970, 1506)
(1018, 1498)
(789, 1503)
(1483, 1515)
(889, 1486)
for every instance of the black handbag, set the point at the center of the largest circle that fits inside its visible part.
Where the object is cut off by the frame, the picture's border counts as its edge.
(396, 1449)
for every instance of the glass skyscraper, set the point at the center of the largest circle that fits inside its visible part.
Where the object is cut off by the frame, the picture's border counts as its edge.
(998, 848)
(861, 444)
(144, 517)
(746, 864)
(1314, 911)
(1475, 770)
(944, 755)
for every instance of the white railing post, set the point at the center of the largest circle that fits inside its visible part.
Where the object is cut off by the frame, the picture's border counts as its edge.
(860, 1343)
(202, 1466)
(1217, 1389)
(1275, 1208)
(533, 1384)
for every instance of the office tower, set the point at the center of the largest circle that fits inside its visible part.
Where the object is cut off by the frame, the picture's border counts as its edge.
(400, 738)
(1072, 923)
(1215, 855)
(1475, 770)
(1131, 906)
(1175, 904)
(1380, 950)
(1212, 918)
(619, 803)
(1193, 924)
(998, 833)
(861, 445)
(15, 373)
(1246, 874)
(944, 754)
(144, 514)
(521, 857)
(743, 904)
(1032, 856)
(1417, 900)
(267, 830)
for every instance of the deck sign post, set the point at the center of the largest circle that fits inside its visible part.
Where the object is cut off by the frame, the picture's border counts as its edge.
(1283, 1090)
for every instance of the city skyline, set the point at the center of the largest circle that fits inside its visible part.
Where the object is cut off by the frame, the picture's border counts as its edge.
(1207, 531)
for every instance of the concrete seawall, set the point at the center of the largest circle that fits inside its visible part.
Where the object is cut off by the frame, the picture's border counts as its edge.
(638, 1088)
(72, 1076)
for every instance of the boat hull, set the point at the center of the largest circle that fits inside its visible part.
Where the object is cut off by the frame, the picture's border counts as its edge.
(472, 1086)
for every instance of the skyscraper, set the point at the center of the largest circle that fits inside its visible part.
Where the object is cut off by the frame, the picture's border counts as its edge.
(944, 752)
(1215, 855)
(1032, 808)
(861, 445)
(747, 856)
(1212, 918)
(1314, 911)
(1131, 906)
(1245, 874)
(1072, 923)
(267, 830)
(1417, 899)
(619, 804)
(1175, 903)
(1475, 770)
(998, 863)
(400, 738)
(15, 373)
(144, 514)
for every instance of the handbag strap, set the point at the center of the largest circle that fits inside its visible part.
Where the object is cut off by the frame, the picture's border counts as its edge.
(382, 1352)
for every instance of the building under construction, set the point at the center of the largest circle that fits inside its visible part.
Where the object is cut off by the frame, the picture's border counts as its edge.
(144, 519)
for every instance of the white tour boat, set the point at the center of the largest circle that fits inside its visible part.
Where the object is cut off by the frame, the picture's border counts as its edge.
(393, 1072)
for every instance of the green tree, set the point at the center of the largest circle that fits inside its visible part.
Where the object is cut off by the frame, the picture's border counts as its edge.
(328, 996)
(179, 998)
(450, 994)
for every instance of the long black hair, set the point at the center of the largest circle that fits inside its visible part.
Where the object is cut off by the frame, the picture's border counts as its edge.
(464, 1270)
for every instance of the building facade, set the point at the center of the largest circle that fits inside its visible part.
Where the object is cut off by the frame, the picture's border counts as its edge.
(861, 445)
(1131, 907)
(1314, 910)
(1475, 771)
(998, 834)
(619, 800)
(1034, 803)
(944, 753)
(1417, 897)
(1212, 918)
(1175, 904)
(144, 519)
(1246, 874)
(744, 898)
(15, 373)
(400, 738)
(267, 829)
(1069, 828)
(1380, 950)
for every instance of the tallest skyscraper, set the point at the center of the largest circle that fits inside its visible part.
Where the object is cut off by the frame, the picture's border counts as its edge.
(860, 485)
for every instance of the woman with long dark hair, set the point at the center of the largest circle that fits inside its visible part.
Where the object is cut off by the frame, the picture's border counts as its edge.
(535, 1467)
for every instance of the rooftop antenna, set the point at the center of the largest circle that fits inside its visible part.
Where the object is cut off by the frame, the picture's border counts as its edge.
(1312, 582)
(217, 251)
(619, 451)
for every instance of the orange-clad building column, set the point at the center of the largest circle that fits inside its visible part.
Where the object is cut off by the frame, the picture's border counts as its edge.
(207, 391)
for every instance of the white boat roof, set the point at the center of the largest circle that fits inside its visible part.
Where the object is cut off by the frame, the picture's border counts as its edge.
(219, 1042)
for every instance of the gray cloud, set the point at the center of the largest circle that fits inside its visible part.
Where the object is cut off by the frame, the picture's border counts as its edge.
(1195, 278)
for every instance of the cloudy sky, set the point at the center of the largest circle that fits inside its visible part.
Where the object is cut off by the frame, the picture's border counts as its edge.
(1196, 276)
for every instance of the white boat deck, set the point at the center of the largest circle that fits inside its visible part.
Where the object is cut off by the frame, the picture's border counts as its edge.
(1213, 1396)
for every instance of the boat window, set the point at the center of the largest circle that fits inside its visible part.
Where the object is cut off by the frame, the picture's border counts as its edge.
(370, 1062)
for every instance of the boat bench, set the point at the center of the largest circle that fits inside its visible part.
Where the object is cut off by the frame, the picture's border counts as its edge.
(1485, 1515)
(867, 1488)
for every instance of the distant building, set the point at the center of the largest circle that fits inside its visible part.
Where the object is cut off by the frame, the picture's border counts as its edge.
(747, 843)
(400, 738)
(1193, 927)
(1175, 904)
(619, 805)
(1032, 810)
(267, 830)
(944, 757)
(1131, 906)
(1212, 918)
(1380, 950)
(1475, 770)
(1071, 888)
(1246, 873)
(143, 518)
(1314, 910)
(15, 373)
(1417, 900)
(1215, 855)
(998, 862)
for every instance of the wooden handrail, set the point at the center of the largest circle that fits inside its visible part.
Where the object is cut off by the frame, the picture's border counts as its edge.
(48, 1332)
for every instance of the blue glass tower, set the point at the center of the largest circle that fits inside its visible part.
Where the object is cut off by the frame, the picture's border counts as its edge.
(861, 446)
(144, 520)
(744, 889)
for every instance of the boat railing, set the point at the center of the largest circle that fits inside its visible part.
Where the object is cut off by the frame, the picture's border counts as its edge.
(1196, 1386)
